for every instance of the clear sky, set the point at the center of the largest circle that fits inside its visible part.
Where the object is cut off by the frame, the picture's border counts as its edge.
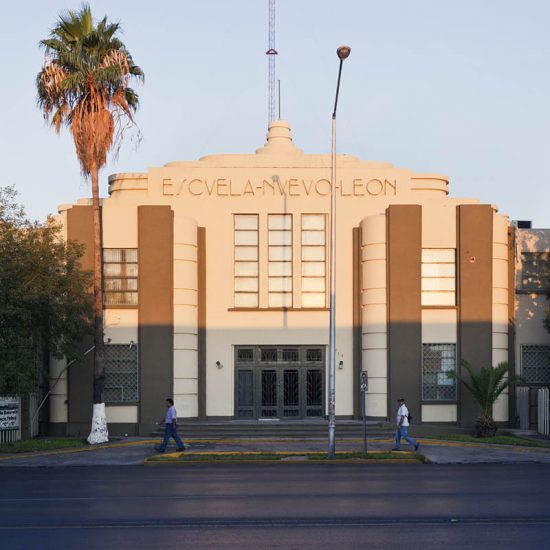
(459, 88)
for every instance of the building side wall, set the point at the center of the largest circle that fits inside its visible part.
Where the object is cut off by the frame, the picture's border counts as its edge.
(155, 265)
(374, 314)
(475, 276)
(500, 307)
(185, 317)
(80, 374)
(404, 248)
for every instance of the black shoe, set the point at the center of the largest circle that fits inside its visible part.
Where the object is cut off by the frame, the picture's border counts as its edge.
(159, 450)
(181, 450)
(416, 447)
(396, 449)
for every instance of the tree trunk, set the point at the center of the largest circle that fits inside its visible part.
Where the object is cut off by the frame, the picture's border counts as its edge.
(99, 433)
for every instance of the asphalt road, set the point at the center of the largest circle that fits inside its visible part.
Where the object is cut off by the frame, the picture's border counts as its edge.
(277, 506)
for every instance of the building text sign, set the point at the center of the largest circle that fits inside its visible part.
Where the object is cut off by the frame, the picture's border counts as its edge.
(9, 413)
(278, 187)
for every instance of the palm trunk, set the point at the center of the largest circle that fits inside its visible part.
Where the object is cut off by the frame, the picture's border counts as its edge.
(99, 432)
(99, 361)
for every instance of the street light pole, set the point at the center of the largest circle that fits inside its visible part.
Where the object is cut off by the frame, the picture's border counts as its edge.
(342, 52)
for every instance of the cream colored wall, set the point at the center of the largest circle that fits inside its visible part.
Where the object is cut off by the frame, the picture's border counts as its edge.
(185, 316)
(374, 313)
(439, 413)
(278, 179)
(121, 325)
(500, 306)
(439, 326)
(122, 413)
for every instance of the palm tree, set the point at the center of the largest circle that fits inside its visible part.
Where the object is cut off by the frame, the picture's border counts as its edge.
(485, 387)
(84, 85)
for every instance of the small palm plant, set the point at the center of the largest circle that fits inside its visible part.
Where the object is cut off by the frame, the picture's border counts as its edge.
(485, 386)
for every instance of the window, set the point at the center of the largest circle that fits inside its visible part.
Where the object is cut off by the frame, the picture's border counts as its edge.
(120, 276)
(280, 260)
(438, 277)
(535, 364)
(437, 361)
(246, 260)
(121, 373)
(313, 260)
(535, 271)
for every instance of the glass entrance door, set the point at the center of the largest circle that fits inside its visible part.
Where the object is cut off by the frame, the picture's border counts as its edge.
(279, 382)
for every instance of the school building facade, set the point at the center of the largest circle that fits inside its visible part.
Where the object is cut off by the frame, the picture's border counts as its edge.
(216, 292)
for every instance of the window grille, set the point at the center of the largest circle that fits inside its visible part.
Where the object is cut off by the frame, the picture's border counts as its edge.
(438, 277)
(120, 276)
(121, 374)
(314, 355)
(313, 260)
(269, 355)
(437, 361)
(535, 271)
(246, 260)
(245, 355)
(280, 260)
(535, 364)
(291, 355)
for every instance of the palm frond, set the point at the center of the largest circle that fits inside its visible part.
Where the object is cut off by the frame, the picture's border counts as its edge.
(84, 83)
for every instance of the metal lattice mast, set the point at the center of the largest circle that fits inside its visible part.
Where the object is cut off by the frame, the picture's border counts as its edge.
(271, 53)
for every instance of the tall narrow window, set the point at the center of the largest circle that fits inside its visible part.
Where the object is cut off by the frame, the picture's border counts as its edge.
(121, 373)
(280, 260)
(120, 276)
(438, 366)
(313, 260)
(246, 260)
(438, 277)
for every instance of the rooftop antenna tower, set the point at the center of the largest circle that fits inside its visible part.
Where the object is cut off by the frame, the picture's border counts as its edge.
(271, 53)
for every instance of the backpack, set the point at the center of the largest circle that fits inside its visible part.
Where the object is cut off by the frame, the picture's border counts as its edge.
(409, 417)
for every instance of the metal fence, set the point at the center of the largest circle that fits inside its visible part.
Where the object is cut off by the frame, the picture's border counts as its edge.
(522, 407)
(543, 411)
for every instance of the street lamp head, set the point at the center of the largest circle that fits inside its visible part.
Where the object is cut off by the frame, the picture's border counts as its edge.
(343, 52)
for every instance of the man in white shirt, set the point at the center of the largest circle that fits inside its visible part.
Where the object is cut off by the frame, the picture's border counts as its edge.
(170, 427)
(402, 431)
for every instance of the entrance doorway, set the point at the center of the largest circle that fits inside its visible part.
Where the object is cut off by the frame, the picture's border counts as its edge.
(284, 382)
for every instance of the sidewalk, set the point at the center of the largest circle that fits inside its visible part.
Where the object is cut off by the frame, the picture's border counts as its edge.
(133, 451)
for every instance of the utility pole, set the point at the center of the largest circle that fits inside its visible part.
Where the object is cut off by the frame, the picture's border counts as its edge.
(271, 53)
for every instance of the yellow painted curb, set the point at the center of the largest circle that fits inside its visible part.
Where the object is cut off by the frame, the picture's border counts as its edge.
(327, 461)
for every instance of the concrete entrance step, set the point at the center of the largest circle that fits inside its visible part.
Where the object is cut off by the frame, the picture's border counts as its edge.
(259, 428)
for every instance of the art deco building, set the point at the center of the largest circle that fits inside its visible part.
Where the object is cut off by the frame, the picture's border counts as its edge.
(216, 291)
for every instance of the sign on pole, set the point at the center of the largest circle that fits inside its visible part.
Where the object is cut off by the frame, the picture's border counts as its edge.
(9, 413)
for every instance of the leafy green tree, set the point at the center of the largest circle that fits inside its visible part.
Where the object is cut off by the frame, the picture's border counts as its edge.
(485, 386)
(84, 85)
(45, 303)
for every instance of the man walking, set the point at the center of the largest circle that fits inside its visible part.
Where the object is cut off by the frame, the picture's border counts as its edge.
(402, 430)
(170, 430)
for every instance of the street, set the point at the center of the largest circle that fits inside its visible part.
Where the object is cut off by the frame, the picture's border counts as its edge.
(276, 506)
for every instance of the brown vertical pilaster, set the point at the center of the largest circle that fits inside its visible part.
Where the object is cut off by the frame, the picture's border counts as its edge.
(357, 334)
(475, 296)
(80, 375)
(201, 320)
(404, 253)
(155, 275)
(512, 320)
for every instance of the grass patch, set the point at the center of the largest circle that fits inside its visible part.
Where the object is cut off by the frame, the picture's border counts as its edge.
(42, 444)
(496, 440)
(293, 457)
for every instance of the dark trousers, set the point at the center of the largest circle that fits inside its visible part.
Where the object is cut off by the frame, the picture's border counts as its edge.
(170, 432)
